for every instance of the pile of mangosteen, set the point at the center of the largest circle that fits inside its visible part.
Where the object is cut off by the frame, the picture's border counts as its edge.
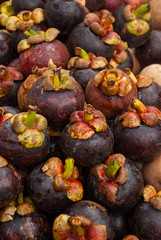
(80, 120)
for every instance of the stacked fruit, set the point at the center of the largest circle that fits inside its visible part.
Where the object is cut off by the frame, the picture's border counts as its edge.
(80, 120)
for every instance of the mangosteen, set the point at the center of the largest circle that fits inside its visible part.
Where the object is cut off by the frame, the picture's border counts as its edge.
(20, 5)
(9, 183)
(87, 137)
(52, 186)
(57, 95)
(10, 81)
(39, 48)
(150, 52)
(137, 132)
(149, 92)
(24, 139)
(95, 35)
(85, 66)
(133, 22)
(122, 57)
(22, 221)
(116, 184)
(145, 218)
(111, 91)
(63, 14)
(94, 221)
(112, 5)
(94, 5)
(7, 53)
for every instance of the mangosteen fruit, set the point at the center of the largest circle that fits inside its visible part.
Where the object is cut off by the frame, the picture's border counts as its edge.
(21, 5)
(24, 139)
(150, 51)
(149, 92)
(85, 65)
(52, 186)
(116, 184)
(10, 81)
(112, 5)
(57, 95)
(95, 35)
(87, 137)
(9, 183)
(111, 91)
(63, 14)
(94, 222)
(23, 221)
(133, 22)
(145, 218)
(39, 48)
(137, 132)
(94, 5)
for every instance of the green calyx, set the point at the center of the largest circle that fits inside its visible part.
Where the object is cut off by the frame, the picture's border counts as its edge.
(113, 168)
(81, 52)
(138, 27)
(69, 167)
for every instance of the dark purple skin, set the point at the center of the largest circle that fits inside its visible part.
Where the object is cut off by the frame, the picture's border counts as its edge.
(110, 106)
(90, 151)
(140, 143)
(56, 106)
(42, 193)
(63, 15)
(21, 5)
(94, 5)
(7, 52)
(145, 222)
(150, 52)
(16, 153)
(54, 50)
(82, 76)
(127, 195)
(95, 212)
(128, 63)
(83, 37)
(120, 26)
(150, 96)
(121, 227)
(34, 226)
(55, 149)
(11, 97)
(10, 109)
(9, 184)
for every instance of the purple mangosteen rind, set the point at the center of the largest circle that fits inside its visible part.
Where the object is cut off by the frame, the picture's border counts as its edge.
(145, 221)
(33, 226)
(112, 105)
(126, 196)
(16, 153)
(21, 5)
(90, 151)
(82, 36)
(95, 212)
(9, 184)
(42, 193)
(63, 102)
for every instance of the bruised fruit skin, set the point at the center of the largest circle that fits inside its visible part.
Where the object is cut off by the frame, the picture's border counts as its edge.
(87, 137)
(23, 144)
(119, 192)
(133, 22)
(56, 100)
(136, 136)
(95, 212)
(145, 220)
(64, 15)
(117, 97)
(34, 225)
(9, 183)
(53, 186)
